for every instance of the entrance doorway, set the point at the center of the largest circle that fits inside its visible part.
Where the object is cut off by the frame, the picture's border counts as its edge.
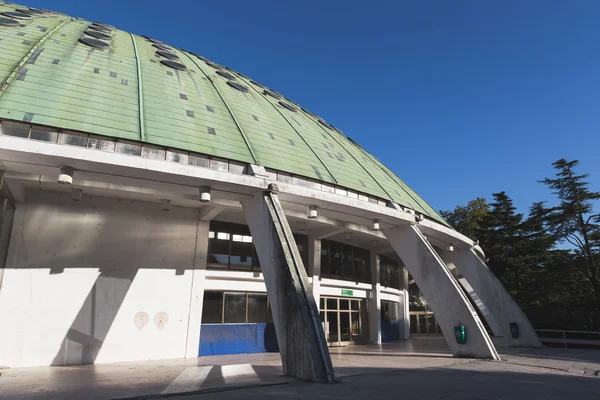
(341, 320)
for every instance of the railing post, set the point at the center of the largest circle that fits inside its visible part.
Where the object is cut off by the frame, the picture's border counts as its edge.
(565, 339)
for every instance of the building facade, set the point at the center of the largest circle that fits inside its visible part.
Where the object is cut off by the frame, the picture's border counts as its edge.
(159, 205)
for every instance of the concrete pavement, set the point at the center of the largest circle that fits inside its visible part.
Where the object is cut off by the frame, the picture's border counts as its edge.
(421, 367)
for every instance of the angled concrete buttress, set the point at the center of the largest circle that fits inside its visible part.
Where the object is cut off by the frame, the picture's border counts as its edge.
(483, 309)
(447, 300)
(302, 345)
(494, 297)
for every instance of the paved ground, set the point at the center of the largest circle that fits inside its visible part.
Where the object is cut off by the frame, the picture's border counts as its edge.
(421, 367)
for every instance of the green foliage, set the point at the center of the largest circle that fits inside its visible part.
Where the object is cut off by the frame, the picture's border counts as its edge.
(467, 219)
(557, 287)
(574, 221)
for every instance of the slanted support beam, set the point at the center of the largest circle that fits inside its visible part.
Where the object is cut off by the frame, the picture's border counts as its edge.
(314, 266)
(210, 212)
(302, 345)
(325, 232)
(495, 298)
(448, 302)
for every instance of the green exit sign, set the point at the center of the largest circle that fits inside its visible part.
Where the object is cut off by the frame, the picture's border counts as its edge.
(346, 292)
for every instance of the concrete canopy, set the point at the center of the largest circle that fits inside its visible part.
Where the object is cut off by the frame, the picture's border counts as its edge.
(72, 74)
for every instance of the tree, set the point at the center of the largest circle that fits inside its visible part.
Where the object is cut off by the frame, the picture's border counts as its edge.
(574, 220)
(502, 240)
(467, 219)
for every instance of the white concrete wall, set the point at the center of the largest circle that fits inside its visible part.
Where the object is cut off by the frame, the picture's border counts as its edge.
(100, 280)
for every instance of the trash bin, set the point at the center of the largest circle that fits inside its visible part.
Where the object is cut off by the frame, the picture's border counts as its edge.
(460, 333)
(514, 330)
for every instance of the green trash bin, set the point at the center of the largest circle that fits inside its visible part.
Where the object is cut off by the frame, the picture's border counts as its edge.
(460, 333)
(514, 330)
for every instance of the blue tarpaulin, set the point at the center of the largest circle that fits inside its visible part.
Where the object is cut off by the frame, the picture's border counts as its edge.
(390, 331)
(237, 338)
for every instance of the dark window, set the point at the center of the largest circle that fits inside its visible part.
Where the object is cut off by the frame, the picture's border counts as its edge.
(212, 308)
(225, 74)
(98, 44)
(344, 304)
(173, 64)
(302, 244)
(218, 245)
(183, 96)
(389, 311)
(230, 246)
(335, 259)
(272, 93)
(241, 248)
(211, 131)
(257, 307)
(8, 22)
(347, 263)
(288, 106)
(332, 304)
(241, 88)
(167, 55)
(235, 308)
(14, 14)
(97, 35)
(162, 47)
(389, 273)
(210, 109)
(325, 271)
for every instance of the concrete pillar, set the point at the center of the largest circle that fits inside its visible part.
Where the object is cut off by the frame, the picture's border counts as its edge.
(448, 302)
(496, 300)
(314, 266)
(375, 300)
(405, 305)
(302, 345)
(197, 290)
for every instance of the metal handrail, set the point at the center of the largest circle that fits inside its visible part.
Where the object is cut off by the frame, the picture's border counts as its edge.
(567, 341)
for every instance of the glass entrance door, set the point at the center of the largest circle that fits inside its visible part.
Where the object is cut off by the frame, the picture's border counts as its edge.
(341, 320)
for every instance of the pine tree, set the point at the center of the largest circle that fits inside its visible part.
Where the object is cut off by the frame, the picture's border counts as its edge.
(502, 238)
(468, 219)
(574, 220)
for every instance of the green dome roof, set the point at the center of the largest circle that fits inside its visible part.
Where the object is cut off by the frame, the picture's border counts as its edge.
(72, 74)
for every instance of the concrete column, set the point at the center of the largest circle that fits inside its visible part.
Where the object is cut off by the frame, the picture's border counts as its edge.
(405, 304)
(302, 345)
(197, 290)
(314, 266)
(496, 300)
(375, 300)
(447, 300)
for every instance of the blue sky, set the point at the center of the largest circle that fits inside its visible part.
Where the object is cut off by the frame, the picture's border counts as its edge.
(460, 98)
